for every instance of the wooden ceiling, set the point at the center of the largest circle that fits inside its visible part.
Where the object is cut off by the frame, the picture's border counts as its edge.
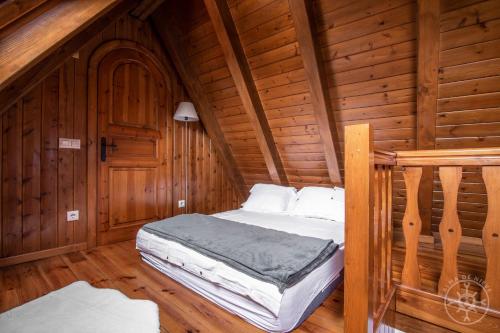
(282, 78)
(270, 127)
(35, 39)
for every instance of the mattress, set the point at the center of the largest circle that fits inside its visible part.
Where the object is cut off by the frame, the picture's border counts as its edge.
(257, 301)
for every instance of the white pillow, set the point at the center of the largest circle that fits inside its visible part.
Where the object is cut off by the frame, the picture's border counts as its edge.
(269, 198)
(339, 194)
(320, 202)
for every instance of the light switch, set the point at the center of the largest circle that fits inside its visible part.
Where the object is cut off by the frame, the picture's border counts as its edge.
(182, 203)
(66, 143)
(75, 143)
(72, 215)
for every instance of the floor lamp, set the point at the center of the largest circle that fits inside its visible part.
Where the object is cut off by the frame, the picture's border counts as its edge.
(186, 113)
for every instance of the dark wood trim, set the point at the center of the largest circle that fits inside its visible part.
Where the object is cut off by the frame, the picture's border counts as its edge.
(145, 8)
(15, 86)
(236, 60)
(14, 260)
(167, 29)
(427, 93)
(316, 77)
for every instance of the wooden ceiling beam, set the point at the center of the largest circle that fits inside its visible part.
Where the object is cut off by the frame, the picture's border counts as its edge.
(236, 60)
(32, 49)
(167, 29)
(316, 77)
(145, 8)
(11, 10)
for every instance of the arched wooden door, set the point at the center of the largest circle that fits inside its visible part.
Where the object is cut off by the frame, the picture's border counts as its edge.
(131, 100)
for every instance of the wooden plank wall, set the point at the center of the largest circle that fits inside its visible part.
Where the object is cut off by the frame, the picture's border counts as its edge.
(468, 103)
(209, 190)
(369, 50)
(41, 182)
(207, 61)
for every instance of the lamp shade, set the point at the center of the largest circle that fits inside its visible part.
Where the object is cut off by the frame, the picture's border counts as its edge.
(186, 112)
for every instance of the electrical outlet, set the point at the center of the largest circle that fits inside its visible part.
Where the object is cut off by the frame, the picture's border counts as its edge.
(182, 203)
(72, 215)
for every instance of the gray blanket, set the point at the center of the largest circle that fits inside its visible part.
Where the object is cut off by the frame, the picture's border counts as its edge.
(265, 254)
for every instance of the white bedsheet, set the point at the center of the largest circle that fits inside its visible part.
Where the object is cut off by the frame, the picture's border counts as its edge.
(257, 301)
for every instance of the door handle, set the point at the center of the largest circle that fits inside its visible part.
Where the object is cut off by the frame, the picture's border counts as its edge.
(104, 146)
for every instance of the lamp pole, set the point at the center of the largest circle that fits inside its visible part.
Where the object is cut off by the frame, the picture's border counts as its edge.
(186, 113)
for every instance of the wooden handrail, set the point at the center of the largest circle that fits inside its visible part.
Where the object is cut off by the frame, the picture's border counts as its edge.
(383, 157)
(449, 157)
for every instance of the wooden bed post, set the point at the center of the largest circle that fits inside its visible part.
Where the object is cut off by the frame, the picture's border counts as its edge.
(359, 180)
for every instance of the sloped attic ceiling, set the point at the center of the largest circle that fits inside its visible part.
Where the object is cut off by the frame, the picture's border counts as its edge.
(367, 53)
(37, 36)
(271, 54)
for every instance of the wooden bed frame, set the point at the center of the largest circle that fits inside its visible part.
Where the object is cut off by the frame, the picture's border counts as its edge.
(369, 290)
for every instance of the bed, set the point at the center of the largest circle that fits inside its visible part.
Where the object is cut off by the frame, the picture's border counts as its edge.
(258, 302)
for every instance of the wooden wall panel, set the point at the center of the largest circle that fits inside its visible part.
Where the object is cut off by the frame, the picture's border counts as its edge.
(49, 158)
(468, 98)
(208, 187)
(39, 179)
(370, 54)
(208, 62)
(41, 182)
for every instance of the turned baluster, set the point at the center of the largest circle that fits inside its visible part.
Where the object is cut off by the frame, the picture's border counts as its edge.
(449, 228)
(376, 234)
(412, 226)
(491, 235)
(383, 233)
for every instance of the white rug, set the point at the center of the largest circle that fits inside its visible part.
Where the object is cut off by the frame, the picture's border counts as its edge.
(80, 307)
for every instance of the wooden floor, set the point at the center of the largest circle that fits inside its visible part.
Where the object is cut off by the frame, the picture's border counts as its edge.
(118, 266)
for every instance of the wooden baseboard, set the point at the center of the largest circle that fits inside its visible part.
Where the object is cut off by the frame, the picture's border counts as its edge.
(430, 308)
(14, 260)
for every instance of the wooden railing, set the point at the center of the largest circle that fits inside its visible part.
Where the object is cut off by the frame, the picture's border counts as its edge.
(449, 164)
(368, 287)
